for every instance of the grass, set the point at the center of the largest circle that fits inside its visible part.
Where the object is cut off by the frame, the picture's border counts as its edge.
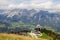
(45, 36)
(2, 25)
(16, 37)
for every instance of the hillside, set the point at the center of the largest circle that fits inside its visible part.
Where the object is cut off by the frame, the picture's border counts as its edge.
(16, 37)
(25, 18)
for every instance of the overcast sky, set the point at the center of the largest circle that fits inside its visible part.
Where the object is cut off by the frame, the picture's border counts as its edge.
(38, 4)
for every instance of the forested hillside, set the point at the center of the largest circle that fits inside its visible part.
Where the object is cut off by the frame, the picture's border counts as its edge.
(23, 17)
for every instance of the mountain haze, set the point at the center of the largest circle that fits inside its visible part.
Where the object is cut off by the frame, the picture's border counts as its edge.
(33, 16)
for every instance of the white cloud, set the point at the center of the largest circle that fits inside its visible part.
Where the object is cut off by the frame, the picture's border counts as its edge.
(37, 4)
(43, 5)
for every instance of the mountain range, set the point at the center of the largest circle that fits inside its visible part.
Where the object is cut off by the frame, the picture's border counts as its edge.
(42, 17)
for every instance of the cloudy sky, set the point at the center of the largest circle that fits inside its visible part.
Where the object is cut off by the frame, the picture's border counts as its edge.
(38, 4)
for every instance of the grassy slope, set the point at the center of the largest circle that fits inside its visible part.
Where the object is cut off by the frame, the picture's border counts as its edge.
(45, 36)
(16, 37)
